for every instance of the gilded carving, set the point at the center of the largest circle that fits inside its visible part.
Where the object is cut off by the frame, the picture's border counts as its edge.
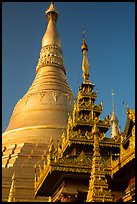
(51, 55)
(55, 95)
(27, 99)
(42, 95)
(84, 129)
(98, 186)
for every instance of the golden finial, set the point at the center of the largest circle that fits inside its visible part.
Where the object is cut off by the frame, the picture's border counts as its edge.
(53, 10)
(113, 94)
(52, 5)
(114, 119)
(84, 45)
(83, 32)
(85, 64)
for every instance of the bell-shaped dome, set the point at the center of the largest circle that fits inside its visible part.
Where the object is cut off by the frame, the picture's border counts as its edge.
(43, 111)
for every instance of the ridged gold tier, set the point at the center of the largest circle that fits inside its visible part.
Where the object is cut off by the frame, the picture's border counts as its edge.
(43, 111)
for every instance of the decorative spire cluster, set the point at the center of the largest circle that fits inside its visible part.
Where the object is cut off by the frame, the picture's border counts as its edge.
(98, 186)
(85, 112)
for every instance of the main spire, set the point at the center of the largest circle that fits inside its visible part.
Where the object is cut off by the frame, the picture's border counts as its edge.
(43, 110)
(51, 36)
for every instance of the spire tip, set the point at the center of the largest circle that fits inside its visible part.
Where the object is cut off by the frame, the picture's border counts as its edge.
(84, 45)
(113, 94)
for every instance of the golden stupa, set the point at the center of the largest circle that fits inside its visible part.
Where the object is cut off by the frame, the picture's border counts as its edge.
(50, 157)
(43, 111)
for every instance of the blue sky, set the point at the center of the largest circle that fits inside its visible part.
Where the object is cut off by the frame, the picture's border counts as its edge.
(110, 36)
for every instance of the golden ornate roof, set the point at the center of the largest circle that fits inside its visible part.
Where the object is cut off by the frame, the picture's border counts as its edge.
(35, 164)
(84, 130)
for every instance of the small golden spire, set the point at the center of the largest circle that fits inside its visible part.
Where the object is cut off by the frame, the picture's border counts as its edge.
(114, 119)
(11, 197)
(98, 177)
(85, 64)
(113, 94)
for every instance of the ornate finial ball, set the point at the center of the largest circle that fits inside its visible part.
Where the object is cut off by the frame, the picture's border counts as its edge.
(51, 12)
(84, 45)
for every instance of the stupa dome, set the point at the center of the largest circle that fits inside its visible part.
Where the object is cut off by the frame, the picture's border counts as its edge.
(42, 112)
